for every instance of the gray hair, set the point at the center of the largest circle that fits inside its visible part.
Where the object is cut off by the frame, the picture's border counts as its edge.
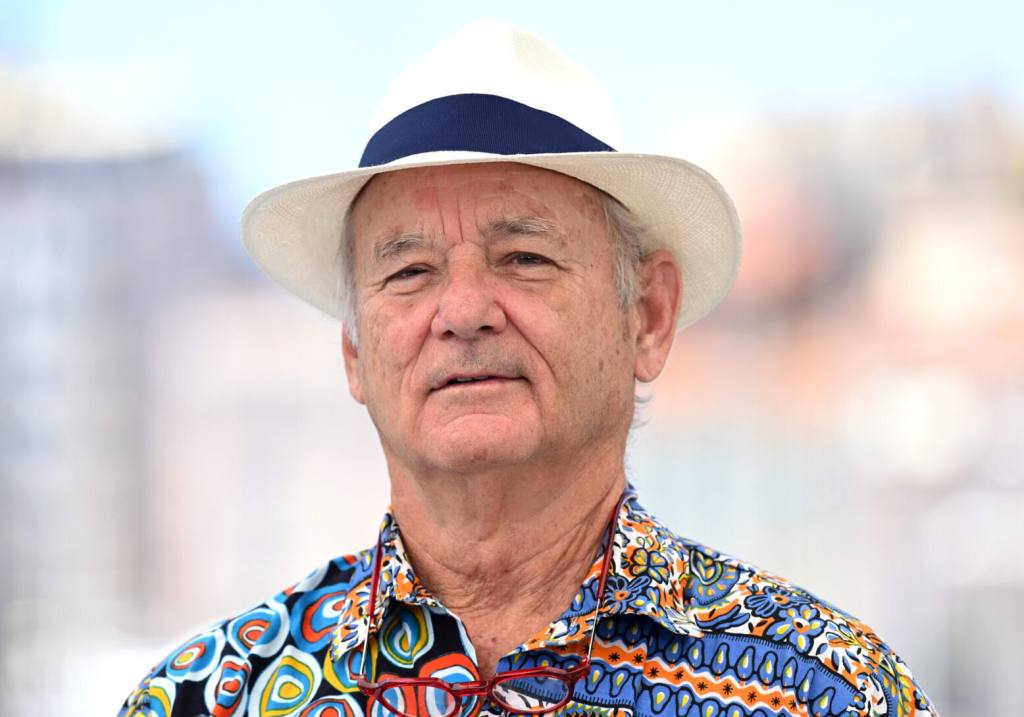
(631, 242)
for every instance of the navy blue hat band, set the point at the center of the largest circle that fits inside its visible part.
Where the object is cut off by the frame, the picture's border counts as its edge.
(476, 123)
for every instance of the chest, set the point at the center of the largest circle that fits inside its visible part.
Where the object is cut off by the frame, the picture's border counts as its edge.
(637, 668)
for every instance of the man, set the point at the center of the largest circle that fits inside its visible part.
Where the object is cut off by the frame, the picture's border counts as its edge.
(504, 279)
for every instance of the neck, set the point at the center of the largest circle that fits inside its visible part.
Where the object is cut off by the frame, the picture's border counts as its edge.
(505, 550)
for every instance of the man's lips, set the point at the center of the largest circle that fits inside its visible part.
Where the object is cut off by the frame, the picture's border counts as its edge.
(469, 380)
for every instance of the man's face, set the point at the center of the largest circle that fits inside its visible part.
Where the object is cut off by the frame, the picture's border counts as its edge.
(490, 331)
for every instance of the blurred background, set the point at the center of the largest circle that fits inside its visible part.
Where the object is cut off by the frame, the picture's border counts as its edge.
(176, 437)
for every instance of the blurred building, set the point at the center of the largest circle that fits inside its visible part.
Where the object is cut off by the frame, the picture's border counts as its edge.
(99, 230)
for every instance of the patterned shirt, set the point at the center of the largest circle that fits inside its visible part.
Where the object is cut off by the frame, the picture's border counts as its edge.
(683, 631)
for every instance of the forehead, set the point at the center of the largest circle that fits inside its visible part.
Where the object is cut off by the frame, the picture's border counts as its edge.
(492, 188)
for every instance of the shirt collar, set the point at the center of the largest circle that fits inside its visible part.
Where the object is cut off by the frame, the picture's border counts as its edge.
(648, 576)
(398, 582)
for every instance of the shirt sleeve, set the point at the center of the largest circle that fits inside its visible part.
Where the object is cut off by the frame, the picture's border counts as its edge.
(158, 696)
(893, 690)
(178, 685)
(136, 704)
(210, 672)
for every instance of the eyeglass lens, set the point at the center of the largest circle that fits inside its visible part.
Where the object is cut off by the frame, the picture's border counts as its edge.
(521, 695)
(530, 695)
(419, 701)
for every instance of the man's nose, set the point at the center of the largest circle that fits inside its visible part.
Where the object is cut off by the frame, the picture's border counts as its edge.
(467, 305)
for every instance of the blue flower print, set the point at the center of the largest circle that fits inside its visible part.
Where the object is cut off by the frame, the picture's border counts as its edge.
(798, 626)
(621, 592)
(772, 600)
(649, 562)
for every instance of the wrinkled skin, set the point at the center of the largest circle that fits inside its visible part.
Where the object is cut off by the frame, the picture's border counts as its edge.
(501, 272)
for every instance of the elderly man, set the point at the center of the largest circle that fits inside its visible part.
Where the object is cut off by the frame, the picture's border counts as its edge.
(504, 279)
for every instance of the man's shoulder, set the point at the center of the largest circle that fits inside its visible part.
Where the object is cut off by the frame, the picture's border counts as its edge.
(766, 627)
(223, 662)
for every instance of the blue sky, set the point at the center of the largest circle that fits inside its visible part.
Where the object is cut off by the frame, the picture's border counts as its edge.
(273, 91)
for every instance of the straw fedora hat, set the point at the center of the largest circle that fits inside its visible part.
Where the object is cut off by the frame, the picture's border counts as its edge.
(494, 92)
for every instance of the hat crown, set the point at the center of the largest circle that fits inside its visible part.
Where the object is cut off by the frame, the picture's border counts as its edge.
(493, 57)
(497, 93)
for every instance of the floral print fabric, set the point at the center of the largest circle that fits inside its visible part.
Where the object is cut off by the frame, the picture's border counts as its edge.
(683, 631)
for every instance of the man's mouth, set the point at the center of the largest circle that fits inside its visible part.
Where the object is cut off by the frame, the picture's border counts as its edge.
(465, 380)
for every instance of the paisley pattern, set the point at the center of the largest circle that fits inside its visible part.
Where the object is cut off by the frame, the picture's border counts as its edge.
(226, 687)
(407, 637)
(683, 631)
(261, 631)
(287, 685)
(196, 659)
(343, 706)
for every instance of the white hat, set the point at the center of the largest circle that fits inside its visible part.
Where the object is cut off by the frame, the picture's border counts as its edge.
(494, 92)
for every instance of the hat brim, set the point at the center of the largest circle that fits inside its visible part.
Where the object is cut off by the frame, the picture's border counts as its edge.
(294, 230)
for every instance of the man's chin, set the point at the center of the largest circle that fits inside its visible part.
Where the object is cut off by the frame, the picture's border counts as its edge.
(481, 445)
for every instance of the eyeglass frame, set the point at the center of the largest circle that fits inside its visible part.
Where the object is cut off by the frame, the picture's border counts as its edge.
(459, 691)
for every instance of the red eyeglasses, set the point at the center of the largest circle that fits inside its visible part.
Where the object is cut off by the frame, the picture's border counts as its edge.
(533, 691)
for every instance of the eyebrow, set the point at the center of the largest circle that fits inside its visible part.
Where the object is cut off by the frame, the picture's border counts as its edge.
(526, 225)
(397, 245)
(533, 226)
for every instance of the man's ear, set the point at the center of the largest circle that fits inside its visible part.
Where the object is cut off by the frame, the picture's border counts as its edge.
(350, 353)
(657, 308)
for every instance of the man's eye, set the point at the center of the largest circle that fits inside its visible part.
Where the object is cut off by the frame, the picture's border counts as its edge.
(407, 273)
(526, 259)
